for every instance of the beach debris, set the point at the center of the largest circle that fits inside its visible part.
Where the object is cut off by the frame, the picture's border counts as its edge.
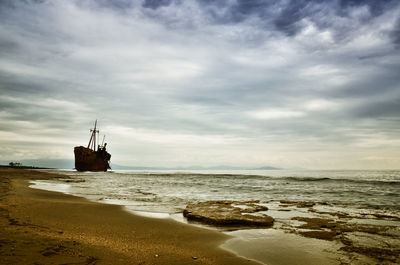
(229, 213)
(194, 258)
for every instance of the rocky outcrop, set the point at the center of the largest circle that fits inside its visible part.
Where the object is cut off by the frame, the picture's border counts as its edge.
(229, 213)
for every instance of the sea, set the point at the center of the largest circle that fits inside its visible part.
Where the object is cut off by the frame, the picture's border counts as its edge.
(165, 194)
(169, 192)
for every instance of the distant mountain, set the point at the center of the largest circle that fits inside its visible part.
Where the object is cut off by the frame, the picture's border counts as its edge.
(267, 168)
(69, 164)
(121, 167)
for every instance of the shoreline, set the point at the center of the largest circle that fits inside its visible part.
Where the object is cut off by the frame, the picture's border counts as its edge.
(305, 232)
(51, 227)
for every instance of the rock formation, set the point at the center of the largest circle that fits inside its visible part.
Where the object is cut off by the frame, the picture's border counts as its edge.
(229, 213)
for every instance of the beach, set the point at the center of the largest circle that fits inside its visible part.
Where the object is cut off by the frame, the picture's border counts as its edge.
(42, 227)
(126, 217)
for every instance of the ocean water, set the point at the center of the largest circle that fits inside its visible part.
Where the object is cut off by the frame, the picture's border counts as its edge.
(170, 191)
(365, 196)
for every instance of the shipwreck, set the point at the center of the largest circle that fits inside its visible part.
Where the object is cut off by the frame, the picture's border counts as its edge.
(94, 157)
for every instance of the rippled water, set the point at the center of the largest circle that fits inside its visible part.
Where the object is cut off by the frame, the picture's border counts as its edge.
(170, 192)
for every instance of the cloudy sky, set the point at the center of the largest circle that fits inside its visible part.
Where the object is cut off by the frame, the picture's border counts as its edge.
(286, 83)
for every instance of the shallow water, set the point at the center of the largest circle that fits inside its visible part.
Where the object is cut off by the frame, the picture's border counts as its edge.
(360, 196)
(170, 192)
(280, 248)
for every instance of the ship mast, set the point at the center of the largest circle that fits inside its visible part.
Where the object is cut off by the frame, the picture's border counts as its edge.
(92, 141)
(102, 144)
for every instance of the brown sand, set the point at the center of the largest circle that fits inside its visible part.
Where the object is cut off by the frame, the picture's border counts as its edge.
(41, 227)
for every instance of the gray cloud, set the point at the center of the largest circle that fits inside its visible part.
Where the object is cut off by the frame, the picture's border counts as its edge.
(395, 33)
(211, 82)
(154, 4)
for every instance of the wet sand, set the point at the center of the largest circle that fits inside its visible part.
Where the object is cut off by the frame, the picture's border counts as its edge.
(304, 232)
(42, 227)
(272, 246)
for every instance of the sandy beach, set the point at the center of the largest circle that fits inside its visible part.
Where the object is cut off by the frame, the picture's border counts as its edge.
(42, 227)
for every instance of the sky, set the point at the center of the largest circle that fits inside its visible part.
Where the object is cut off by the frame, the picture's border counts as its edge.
(285, 83)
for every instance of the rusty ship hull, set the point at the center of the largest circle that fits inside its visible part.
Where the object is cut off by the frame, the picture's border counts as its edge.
(93, 157)
(89, 160)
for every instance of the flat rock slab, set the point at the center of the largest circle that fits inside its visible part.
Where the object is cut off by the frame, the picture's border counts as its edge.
(229, 213)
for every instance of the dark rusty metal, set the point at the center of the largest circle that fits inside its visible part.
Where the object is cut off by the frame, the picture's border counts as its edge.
(90, 159)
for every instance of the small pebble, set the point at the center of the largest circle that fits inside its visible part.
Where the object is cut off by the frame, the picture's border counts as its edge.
(194, 257)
